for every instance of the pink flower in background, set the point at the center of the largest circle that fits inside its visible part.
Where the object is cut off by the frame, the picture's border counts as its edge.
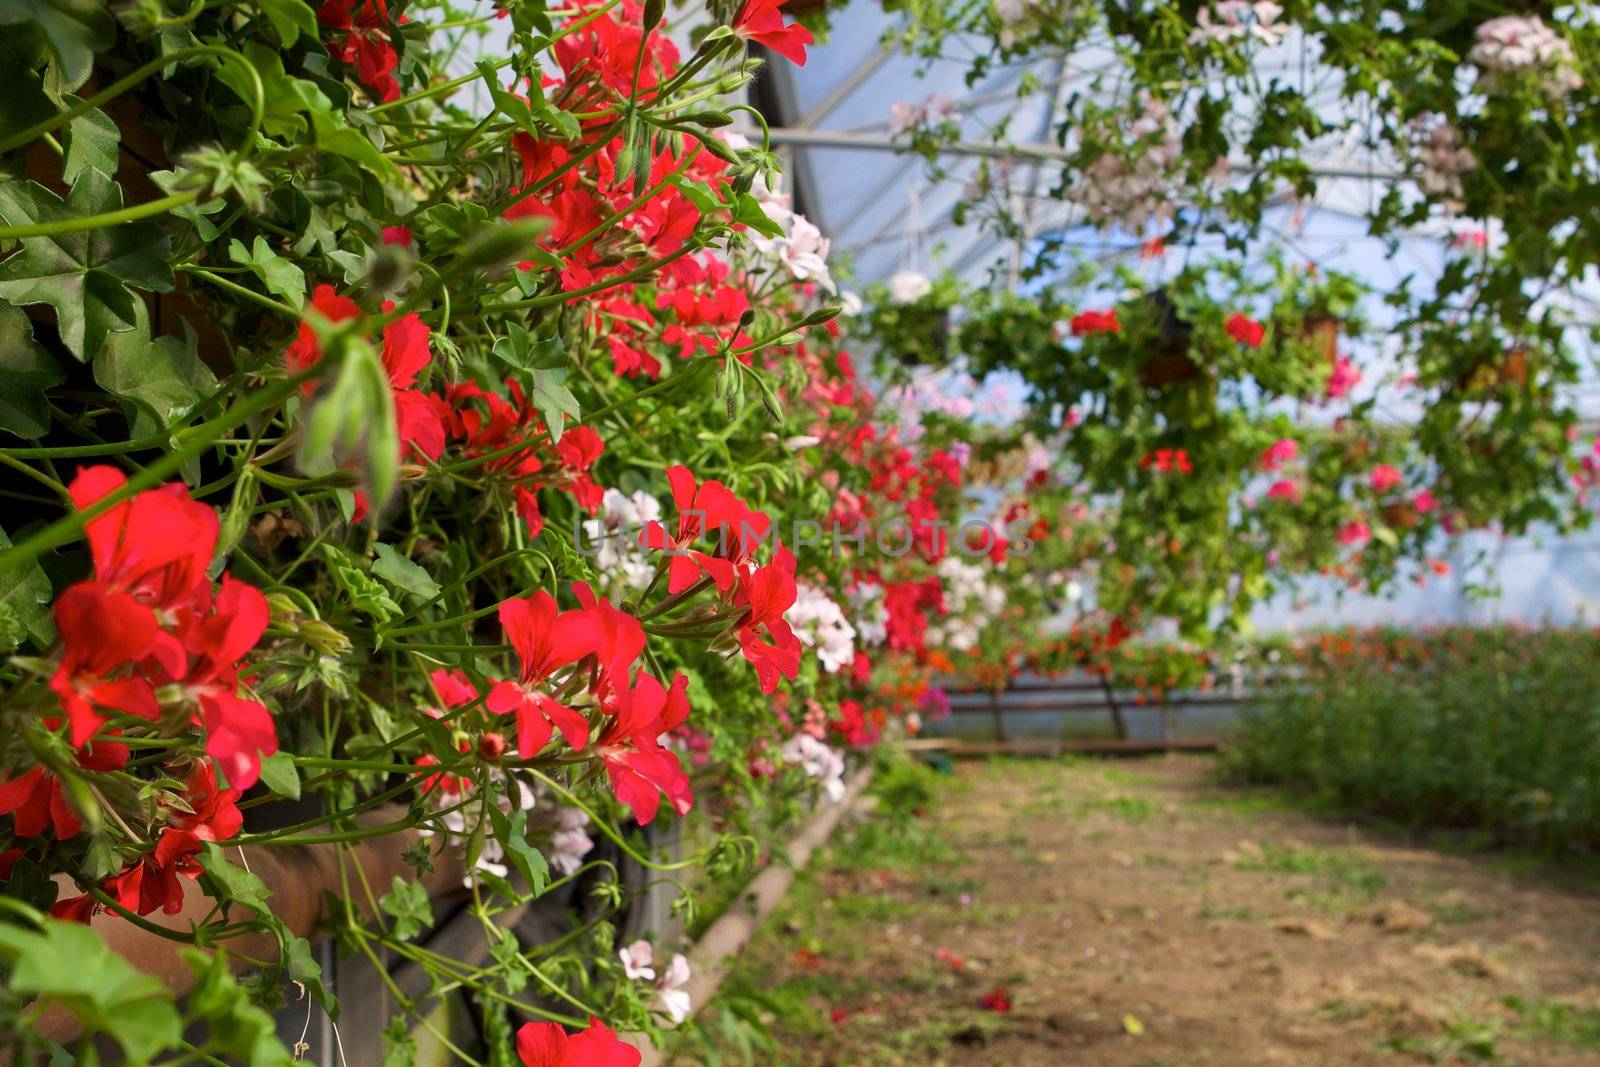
(1424, 501)
(1344, 377)
(1280, 452)
(1285, 489)
(1354, 533)
(1384, 478)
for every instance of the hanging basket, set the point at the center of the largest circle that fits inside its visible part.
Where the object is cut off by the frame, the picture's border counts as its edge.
(1512, 369)
(1168, 361)
(1321, 332)
(1399, 515)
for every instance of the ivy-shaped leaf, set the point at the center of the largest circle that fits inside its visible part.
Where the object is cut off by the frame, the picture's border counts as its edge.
(83, 275)
(408, 903)
(25, 597)
(235, 1026)
(67, 963)
(290, 18)
(240, 885)
(161, 379)
(74, 29)
(26, 371)
(93, 140)
(279, 275)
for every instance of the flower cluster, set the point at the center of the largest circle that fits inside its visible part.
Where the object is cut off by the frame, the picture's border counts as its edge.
(1516, 47)
(1233, 20)
(1132, 186)
(1443, 159)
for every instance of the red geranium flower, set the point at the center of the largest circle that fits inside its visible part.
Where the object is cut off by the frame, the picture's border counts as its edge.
(761, 21)
(548, 1045)
(767, 594)
(546, 641)
(1091, 322)
(1245, 330)
(639, 768)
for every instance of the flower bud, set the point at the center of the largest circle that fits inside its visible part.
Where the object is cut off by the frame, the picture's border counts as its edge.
(491, 746)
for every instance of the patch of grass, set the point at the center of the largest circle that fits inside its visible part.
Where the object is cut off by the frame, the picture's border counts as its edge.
(871, 907)
(1345, 1011)
(1342, 882)
(1217, 912)
(1461, 1039)
(1557, 1021)
(1128, 808)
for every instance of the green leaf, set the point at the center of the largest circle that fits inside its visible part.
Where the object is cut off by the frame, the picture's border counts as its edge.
(83, 275)
(545, 362)
(512, 833)
(747, 210)
(333, 133)
(553, 399)
(279, 275)
(290, 18)
(304, 968)
(236, 1027)
(68, 964)
(407, 901)
(93, 140)
(162, 379)
(74, 29)
(403, 573)
(26, 371)
(279, 774)
(513, 969)
(697, 193)
(25, 594)
(240, 885)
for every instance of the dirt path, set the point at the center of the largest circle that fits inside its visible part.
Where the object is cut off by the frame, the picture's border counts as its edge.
(1141, 915)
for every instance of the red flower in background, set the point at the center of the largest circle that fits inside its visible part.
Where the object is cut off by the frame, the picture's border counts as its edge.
(1384, 478)
(1091, 322)
(36, 801)
(1245, 330)
(997, 999)
(548, 1045)
(361, 40)
(1167, 460)
(762, 21)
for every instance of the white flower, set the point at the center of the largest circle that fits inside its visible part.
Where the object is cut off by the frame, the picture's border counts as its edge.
(1443, 160)
(849, 303)
(636, 961)
(801, 442)
(817, 760)
(614, 538)
(907, 287)
(819, 623)
(1134, 185)
(870, 614)
(971, 602)
(905, 117)
(1229, 20)
(1512, 46)
(675, 999)
(569, 844)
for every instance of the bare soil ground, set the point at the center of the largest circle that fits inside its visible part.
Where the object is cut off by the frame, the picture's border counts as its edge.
(1141, 914)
